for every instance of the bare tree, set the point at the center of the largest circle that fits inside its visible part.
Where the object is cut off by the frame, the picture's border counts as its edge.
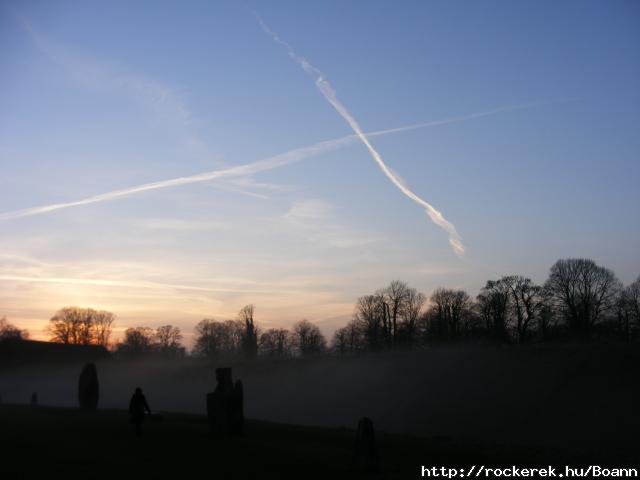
(628, 308)
(370, 315)
(394, 296)
(632, 294)
(493, 302)
(137, 341)
(547, 318)
(348, 339)
(410, 313)
(216, 339)
(167, 339)
(67, 325)
(525, 303)
(389, 317)
(276, 342)
(83, 326)
(250, 331)
(582, 291)
(447, 313)
(308, 339)
(102, 327)
(339, 342)
(9, 331)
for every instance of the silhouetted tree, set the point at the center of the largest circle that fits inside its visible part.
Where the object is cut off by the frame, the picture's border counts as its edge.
(578, 293)
(525, 302)
(9, 331)
(308, 339)
(395, 296)
(102, 326)
(370, 318)
(410, 313)
(582, 292)
(628, 309)
(387, 318)
(348, 339)
(339, 342)
(167, 339)
(249, 332)
(493, 305)
(276, 342)
(632, 293)
(137, 341)
(547, 318)
(216, 339)
(447, 313)
(83, 326)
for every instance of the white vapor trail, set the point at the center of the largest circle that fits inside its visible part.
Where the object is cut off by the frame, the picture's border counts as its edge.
(330, 95)
(269, 163)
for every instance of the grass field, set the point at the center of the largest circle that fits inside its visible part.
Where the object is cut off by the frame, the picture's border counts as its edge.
(47, 442)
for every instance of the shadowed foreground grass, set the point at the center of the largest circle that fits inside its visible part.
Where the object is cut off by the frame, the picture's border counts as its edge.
(44, 442)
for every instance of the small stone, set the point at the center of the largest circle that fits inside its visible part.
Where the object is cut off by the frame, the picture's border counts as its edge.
(366, 450)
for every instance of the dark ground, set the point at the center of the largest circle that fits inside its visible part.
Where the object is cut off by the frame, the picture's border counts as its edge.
(53, 442)
(562, 405)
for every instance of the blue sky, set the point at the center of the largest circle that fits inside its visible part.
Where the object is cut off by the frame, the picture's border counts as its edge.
(104, 96)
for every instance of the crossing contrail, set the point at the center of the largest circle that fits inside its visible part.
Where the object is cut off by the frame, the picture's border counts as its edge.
(330, 95)
(269, 163)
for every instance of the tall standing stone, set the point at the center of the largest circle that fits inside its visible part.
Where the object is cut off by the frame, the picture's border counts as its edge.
(225, 405)
(88, 387)
(238, 408)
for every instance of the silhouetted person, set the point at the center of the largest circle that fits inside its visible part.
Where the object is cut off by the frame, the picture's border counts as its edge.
(137, 407)
(34, 399)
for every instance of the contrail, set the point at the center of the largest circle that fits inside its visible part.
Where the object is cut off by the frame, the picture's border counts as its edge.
(269, 163)
(329, 93)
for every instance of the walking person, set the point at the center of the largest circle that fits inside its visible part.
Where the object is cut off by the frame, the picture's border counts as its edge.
(137, 408)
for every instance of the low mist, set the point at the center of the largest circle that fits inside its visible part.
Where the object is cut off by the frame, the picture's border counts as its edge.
(586, 396)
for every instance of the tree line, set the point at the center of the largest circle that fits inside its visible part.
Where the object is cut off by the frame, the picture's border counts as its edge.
(213, 338)
(579, 300)
(8, 331)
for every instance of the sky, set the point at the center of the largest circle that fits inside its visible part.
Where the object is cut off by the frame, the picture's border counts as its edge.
(239, 121)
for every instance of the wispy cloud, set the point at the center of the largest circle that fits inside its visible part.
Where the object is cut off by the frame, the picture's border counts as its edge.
(435, 270)
(165, 102)
(314, 218)
(153, 276)
(329, 93)
(303, 210)
(179, 224)
(246, 170)
(101, 282)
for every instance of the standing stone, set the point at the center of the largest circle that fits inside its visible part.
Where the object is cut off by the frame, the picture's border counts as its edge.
(88, 388)
(225, 405)
(238, 408)
(366, 450)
